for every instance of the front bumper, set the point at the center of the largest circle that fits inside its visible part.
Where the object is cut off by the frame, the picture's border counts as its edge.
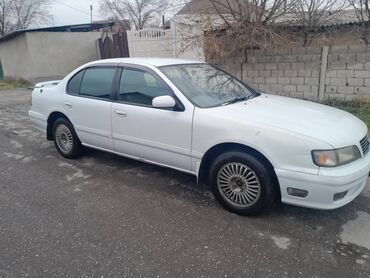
(350, 179)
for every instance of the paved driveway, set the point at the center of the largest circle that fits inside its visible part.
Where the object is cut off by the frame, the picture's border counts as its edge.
(104, 216)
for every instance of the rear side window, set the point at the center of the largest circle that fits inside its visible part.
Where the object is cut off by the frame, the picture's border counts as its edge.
(97, 82)
(75, 83)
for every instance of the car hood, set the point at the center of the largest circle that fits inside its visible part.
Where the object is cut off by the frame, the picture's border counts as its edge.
(333, 126)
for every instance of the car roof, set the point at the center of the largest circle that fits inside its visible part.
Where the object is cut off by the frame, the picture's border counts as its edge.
(156, 62)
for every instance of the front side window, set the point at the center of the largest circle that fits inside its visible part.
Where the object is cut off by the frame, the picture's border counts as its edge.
(97, 82)
(207, 86)
(140, 87)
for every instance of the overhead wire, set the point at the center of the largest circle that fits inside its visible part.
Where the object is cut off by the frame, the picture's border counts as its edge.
(76, 9)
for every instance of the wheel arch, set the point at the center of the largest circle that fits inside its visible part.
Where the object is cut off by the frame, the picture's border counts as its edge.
(50, 122)
(215, 151)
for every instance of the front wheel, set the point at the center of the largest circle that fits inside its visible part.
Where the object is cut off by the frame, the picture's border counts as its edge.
(65, 139)
(242, 183)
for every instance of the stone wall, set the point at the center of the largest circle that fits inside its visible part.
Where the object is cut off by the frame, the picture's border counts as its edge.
(348, 73)
(314, 73)
(171, 43)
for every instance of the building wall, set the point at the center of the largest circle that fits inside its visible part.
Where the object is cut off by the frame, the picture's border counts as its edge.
(47, 55)
(340, 72)
(15, 57)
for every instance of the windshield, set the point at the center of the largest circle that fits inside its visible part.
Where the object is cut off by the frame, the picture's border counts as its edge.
(206, 86)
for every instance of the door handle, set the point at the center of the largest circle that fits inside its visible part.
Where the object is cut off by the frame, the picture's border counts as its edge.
(68, 105)
(120, 113)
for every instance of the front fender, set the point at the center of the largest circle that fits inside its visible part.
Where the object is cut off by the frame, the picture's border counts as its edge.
(284, 149)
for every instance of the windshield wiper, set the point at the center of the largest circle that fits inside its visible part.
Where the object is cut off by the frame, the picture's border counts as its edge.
(237, 99)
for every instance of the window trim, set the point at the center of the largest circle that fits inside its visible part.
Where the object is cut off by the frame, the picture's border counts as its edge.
(100, 66)
(179, 107)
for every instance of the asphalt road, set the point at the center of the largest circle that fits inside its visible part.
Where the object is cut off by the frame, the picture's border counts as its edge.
(106, 216)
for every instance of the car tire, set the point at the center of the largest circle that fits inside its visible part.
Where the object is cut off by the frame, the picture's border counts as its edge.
(242, 183)
(65, 139)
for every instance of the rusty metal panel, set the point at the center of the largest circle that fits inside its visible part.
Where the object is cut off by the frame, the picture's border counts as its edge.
(125, 49)
(118, 47)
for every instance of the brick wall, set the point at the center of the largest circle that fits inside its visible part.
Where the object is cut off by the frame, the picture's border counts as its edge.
(310, 73)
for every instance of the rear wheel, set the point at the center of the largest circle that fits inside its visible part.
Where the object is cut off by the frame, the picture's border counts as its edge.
(242, 183)
(65, 138)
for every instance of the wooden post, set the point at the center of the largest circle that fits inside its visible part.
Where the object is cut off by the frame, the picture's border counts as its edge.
(324, 66)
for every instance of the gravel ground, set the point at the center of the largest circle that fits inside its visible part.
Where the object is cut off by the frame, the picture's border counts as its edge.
(106, 216)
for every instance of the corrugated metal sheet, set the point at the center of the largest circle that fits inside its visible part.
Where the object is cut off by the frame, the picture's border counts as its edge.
(67, 28)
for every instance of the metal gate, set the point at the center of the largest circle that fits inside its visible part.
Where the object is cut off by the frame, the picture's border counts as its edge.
(113, 48)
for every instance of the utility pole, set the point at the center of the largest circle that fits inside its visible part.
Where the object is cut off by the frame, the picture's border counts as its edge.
(91, 15)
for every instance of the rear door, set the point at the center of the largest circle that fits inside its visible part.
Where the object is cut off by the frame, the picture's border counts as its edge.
(88, 104)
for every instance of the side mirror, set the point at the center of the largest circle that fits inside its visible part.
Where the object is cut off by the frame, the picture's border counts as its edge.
(163, 102)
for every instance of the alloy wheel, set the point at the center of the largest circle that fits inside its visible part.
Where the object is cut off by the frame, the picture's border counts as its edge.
(238, 184)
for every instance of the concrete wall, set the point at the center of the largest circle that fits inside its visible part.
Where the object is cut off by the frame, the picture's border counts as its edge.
(188, 40)
(150, 43)
(316, 73)
(47, 55)
(176, 42)
(348, 73)
(15, 58)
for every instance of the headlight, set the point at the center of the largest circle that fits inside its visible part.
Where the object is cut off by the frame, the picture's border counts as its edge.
(333, 158)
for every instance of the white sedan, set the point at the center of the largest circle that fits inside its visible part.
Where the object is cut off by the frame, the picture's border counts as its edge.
(251, 148)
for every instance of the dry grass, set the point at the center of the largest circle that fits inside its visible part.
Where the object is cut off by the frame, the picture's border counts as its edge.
(359, 108)
(12, 84)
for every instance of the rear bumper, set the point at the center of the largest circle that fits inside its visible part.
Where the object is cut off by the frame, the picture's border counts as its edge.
(38, 121)
(349, 179)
